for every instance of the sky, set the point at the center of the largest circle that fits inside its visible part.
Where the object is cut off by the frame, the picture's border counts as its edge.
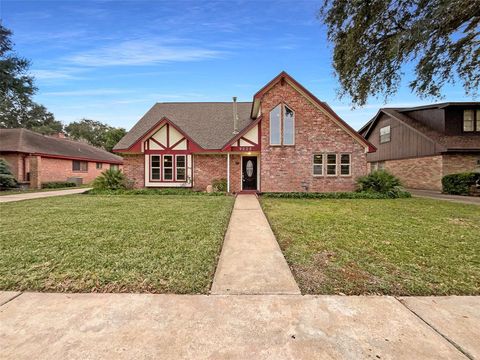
(112, 60)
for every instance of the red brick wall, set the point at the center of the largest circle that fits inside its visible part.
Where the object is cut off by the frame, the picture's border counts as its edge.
(288, 168)
(207, 168)
(134, 169)
(235, 173)
(61, 169)
(460, 163)
(15, 162)
(418, 173)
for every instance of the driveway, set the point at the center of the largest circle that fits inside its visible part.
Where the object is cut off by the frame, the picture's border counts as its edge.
(40, 194)
(437, 195)
(134, 326)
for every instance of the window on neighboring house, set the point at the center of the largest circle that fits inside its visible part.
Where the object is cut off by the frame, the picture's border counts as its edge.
(381, 165)
(471, 120)
(78, 165)
(114, 166)
(345, 164)
(180, 168)
(331, 164)
(282, 126)
(318, 164)
(155, 167)
(373, 166)
(99, 166)
(385, 134)
(167, 167)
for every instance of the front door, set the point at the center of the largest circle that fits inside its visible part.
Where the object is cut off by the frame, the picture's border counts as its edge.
(249, 173)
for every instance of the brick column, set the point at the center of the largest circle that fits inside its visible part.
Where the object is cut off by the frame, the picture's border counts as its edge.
(35, 172)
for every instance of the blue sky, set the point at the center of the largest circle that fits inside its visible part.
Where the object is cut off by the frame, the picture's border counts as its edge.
(111, 61)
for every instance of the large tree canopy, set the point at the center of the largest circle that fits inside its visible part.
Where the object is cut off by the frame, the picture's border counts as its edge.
(17, 109)
(374, 38)
(95, 133)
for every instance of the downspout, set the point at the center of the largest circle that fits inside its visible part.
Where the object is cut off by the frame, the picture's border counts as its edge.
(228, 172)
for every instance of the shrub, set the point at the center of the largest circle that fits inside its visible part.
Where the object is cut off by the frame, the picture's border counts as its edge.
(219, 185)
(110, 179)
(332, 195)
(382, 182)
(459, 184)
(58, 184)
(7, 180)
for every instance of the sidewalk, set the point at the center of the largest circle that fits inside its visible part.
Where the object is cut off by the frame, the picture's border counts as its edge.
(437, 195)
(251, 261)
(145, 326)
(40, 194)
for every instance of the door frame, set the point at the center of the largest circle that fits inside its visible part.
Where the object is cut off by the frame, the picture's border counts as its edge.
(258, 171)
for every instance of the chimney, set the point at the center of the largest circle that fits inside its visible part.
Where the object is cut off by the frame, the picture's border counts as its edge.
(235, 116)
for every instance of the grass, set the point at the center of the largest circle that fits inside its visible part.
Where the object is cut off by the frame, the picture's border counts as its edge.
(394, 247)
(84, 243)
(17, 191)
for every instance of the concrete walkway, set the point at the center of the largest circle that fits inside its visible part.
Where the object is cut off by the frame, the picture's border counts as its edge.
(143, 326)
(251, 261)
(40, 194)
(437, 195)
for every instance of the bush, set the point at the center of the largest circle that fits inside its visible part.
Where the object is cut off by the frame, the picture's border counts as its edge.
(111, 179)
(459, 184)
(7, 180)
(331, 195)
(382, 182)
(219, 185)
(58, 184)
(169, 191)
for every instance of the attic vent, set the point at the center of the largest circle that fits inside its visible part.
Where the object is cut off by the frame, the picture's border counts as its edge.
(235, 116)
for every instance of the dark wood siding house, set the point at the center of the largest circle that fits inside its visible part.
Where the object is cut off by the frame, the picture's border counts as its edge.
(421, 145)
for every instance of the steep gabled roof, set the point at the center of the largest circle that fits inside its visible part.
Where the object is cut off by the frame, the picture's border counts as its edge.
(209, 124)
(26, 141)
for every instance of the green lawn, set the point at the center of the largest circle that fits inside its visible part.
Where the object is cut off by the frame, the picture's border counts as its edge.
(396, 247)
(84, 243)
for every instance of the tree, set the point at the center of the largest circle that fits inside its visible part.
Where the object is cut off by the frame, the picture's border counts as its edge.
(372, 40)
(17, 109)
(95, 133)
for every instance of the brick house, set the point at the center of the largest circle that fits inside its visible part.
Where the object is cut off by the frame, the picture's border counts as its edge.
(284, 140)
(422, 144)
(35, 159)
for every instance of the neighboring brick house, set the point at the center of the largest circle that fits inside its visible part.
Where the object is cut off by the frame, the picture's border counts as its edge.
(422, 144)
(35, 159)
(285, 140)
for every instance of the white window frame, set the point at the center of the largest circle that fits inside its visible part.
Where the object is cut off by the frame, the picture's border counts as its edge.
(184, 167)
(168, 167)
(327, 164)
(389, 133)
(349, 164)
(282, 142)
(318, 166)
(159, 167)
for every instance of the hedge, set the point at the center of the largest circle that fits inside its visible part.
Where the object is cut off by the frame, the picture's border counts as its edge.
(459, 184)
(169, 191)
(58, 184)
(332, 195)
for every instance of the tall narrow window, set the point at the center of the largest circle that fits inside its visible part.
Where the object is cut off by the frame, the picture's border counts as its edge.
(167, 167)
(155, 167)
(318, 164)
(275, 126)
(180, 168)
(468, 121)
(331, 164)
(385, 134)
(288, 126)
(345, 164)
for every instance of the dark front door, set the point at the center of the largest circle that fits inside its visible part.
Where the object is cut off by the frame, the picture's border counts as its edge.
(249, 173)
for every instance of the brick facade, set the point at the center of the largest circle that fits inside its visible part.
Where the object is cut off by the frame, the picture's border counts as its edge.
(45, 169)
(460, 163)
(207, 168)
(134, 169)
(290, 168)
(418, 173)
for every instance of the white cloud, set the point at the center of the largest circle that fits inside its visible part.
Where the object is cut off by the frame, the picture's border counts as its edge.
(86, 92)
(55, 74)
(142, 52)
